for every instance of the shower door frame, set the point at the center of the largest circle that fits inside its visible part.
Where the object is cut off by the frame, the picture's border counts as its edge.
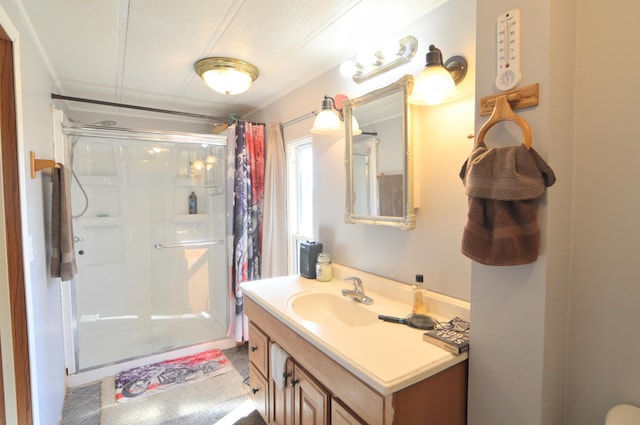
(79, 377)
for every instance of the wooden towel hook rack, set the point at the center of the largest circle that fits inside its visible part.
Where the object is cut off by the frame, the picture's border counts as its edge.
(40, 164)
(523, 97)
(502, 112)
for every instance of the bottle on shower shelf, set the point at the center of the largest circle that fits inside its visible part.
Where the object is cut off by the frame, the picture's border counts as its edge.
(193, 203)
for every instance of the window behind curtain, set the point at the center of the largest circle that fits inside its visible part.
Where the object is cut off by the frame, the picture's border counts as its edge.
(300, 198)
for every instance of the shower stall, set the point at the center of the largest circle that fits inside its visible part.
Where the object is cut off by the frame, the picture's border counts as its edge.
(149, 220)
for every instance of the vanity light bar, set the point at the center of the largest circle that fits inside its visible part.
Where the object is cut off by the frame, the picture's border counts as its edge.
(407, 48)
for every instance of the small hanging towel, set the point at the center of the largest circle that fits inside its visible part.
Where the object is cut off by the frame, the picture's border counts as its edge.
(279, 359)
(503, 185)
(63, 259)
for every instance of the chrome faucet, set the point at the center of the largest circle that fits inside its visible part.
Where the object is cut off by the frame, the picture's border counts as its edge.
(357, 293)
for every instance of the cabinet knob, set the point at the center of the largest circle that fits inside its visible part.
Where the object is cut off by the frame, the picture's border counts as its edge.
(294, 382)
(255, 390)
(254, 348)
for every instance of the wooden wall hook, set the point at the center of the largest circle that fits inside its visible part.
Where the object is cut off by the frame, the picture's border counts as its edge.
(524, 97)
(40, 164)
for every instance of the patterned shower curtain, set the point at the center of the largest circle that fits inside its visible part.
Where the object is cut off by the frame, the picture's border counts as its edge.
(246, 161)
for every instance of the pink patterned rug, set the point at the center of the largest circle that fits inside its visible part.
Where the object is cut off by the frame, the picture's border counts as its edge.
(158, 377)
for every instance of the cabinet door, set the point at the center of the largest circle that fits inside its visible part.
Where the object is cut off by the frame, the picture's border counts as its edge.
(341, 416)
(259, 392)
(310, 400)
(282, 398)
(259, 349)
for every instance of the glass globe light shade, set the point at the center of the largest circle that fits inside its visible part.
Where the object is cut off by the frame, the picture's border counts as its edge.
(327, 122)
(227, 81)
(433, 86)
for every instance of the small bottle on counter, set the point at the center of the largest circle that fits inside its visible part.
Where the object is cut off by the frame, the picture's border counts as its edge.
(324, 272)
(419, 296)
(193, 203)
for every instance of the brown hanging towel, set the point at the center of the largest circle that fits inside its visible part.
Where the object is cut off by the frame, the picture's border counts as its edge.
(503, 185)
(63, 259)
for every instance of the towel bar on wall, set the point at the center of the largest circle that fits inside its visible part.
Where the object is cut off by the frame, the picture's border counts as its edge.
(187, 244)
(40, 164)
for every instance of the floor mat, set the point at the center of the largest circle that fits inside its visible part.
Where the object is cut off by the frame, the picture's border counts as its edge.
(158, 377)
(194, 403)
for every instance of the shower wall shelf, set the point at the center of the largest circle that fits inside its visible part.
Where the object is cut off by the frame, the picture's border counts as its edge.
(187, 181)
(199, 183)
(100, 221)
(190, 218)
(95, 180)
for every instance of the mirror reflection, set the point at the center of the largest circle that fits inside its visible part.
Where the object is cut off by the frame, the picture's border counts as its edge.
(378, 168)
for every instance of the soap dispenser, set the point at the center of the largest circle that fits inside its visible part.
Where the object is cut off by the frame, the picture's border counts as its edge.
(419, 296)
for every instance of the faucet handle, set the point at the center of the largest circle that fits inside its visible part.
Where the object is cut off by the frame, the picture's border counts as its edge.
(357, 283)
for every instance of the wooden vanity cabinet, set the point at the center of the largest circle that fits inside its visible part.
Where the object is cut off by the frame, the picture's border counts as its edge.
(326, 393)
(340, 415)
(259, 370)
(282, 399)
(310, 399)
(259, 391)
(301, 400)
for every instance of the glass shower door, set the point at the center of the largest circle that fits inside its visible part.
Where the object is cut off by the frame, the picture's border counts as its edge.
(152, 274)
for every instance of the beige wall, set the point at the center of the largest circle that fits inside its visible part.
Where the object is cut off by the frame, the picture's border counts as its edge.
(433, 248)
(604, 340)
(518, 313)
(33, 109)
(585, 126)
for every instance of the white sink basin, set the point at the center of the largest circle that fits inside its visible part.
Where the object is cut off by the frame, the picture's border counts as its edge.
(327, 308)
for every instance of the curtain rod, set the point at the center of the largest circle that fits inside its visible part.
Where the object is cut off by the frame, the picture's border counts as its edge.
(300, 118)
(140, 108)
(293, 121)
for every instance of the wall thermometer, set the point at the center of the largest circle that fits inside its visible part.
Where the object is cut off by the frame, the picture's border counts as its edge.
(508, 31)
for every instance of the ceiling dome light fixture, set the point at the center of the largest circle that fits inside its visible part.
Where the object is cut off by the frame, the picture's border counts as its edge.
(226, 75)
(437, 82)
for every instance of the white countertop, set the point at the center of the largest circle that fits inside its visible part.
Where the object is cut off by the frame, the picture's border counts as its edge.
(386, 356)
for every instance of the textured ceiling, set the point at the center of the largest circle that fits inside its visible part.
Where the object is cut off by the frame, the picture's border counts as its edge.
(141, 52)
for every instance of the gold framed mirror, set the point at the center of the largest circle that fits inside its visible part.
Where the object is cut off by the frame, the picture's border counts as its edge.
(379, 161)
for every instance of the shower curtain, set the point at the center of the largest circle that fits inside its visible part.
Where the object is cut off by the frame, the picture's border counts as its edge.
(274, 243)
(247, 162)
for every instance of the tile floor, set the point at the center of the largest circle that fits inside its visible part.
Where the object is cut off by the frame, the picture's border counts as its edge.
(82, 404)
